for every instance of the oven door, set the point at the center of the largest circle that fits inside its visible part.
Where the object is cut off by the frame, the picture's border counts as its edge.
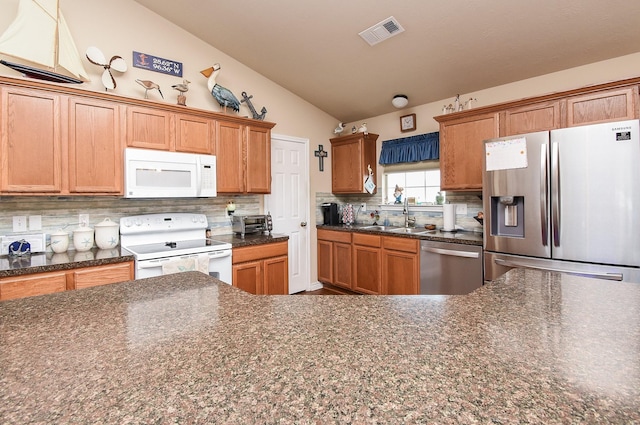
(219, 265)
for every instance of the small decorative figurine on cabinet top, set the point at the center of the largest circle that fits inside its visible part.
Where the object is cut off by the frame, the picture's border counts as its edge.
(182, 89)
(339, 129)
(149, 85)
(221, 94)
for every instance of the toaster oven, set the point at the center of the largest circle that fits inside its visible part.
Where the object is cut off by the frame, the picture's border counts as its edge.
(243, 224)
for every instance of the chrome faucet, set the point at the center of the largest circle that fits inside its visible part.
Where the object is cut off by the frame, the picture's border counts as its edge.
(405, 211)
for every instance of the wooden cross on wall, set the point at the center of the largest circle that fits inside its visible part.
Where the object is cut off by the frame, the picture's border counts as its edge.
(321, 155)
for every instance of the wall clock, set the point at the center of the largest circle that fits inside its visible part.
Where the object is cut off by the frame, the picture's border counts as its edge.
(408, 122)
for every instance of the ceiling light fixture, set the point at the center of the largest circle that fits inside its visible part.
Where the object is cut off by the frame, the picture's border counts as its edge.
(400, 101)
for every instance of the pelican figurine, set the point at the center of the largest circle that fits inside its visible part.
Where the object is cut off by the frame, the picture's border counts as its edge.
(222, 95)
(339, 129)
(182, 89)
(149, 85)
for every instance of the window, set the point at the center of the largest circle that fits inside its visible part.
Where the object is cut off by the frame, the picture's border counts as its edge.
(423, 185)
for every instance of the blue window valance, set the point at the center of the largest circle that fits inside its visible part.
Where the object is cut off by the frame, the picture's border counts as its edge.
(422, 147)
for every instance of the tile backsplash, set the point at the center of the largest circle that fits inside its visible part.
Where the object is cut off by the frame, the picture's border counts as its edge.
(63, 212)
(395, 217)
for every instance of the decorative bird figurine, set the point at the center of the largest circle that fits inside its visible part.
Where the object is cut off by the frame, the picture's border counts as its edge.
(149, 85)
(339, 129)
(363, 129)
(182, 88)
(222, 95)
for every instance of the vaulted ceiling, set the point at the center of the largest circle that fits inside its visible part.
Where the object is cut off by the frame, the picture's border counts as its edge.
(456, 46)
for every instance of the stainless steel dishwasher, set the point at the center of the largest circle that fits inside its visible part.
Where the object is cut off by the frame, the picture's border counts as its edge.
(449, 268)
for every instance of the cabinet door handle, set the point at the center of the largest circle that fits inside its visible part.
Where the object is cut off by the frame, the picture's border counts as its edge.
(303, 224)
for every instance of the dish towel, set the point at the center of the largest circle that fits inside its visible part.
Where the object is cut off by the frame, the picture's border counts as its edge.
(187, 264)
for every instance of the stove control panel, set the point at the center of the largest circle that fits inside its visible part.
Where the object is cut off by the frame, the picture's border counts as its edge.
(152, 223)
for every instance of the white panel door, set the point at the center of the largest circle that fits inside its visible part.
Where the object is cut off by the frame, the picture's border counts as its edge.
(288, 204)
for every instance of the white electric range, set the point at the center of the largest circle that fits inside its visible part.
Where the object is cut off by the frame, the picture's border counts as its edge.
(173, 242)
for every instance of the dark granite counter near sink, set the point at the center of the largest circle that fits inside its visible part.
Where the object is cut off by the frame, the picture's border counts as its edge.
(461, 237)
(531, 347)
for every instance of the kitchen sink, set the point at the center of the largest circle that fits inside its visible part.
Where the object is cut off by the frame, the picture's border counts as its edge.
(380, 228)
(411, 230)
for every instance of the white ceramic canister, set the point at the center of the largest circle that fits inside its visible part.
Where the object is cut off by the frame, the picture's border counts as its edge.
(83, 238)
(107, 234)
(59, 241)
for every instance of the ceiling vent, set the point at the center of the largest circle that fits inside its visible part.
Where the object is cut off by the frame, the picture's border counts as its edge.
(381, 31)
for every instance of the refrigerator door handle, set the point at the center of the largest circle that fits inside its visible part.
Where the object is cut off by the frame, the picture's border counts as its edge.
(607, 276)
(555, 194)
(544, 210)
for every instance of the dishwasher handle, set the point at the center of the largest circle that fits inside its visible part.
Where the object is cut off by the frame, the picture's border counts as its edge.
(451, 252)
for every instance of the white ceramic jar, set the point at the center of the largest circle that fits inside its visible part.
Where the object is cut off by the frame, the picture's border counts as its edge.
(107, 234)
(83, 238)
(59, 241)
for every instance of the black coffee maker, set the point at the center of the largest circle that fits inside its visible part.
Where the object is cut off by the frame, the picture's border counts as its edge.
(330, 214)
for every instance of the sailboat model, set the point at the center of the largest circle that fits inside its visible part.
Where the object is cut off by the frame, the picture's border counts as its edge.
(39, 34)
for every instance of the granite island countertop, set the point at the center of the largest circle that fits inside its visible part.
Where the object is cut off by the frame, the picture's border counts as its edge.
(531, 347)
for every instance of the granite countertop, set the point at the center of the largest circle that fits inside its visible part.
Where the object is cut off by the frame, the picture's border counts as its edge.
(460, 237)
(531, 347)
(49, 261)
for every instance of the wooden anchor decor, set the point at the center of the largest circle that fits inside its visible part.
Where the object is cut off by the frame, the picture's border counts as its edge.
(255, 114)
(321, 155)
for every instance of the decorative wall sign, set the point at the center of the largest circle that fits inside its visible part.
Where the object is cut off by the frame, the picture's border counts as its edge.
(156, 64)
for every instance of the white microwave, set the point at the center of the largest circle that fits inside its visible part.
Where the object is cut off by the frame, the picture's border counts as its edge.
(161, 174)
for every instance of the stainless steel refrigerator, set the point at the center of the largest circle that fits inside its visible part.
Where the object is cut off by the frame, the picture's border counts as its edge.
(565, 200)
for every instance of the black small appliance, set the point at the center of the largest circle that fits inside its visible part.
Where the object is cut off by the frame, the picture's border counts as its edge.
(330, 214)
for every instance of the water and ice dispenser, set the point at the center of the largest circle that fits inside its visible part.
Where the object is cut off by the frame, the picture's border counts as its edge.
(507, 216)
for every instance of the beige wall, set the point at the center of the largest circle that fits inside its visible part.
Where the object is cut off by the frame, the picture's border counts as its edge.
(118, 27)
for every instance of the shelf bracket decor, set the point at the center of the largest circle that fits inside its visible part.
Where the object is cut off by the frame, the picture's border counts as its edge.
(321, 154)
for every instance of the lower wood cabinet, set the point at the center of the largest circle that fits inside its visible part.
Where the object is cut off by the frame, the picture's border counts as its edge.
(334, 258)
(58, 281)
(400, 266)
(367, 273)
(369, 264)
(262, 269)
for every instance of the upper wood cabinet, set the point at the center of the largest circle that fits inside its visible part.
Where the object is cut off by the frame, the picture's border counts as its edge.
(540, 116)
(351, 156)
(246, 154)
(30, 141)
(95, 147)
(462, 133)
(602, 106)
(73, 147)
(152, 128)
(462, 148)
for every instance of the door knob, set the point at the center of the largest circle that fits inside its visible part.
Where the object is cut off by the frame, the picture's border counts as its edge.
(303, 224)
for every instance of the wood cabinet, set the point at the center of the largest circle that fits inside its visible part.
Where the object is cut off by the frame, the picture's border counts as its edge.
(541, 116)
(602, 106)
(350, 158)
(462, 133)
(30, 141)
(151, 128)
(73, 147)
(462, 149)
(95, 147)
(262, 269)
(366, 263)
(334, 258)
(400, 266)
(246, 150)
(58, 281)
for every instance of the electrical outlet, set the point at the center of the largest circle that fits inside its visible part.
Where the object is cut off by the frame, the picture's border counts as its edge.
(83, 220)
(461, 209)
(19, 223)
(35, 222)
(363, 207)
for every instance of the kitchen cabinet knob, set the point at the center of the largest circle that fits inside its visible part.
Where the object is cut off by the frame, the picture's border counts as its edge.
(303, 224)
